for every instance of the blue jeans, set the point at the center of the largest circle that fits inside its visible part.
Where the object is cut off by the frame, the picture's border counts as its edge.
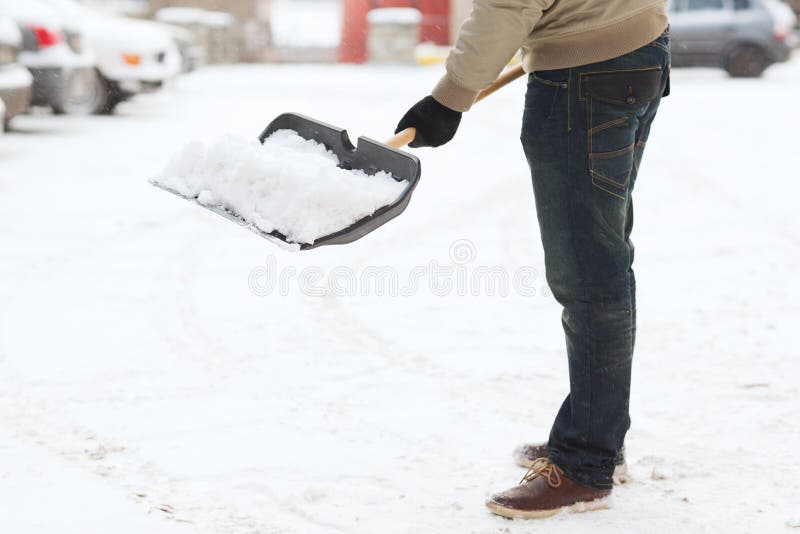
(584, 133)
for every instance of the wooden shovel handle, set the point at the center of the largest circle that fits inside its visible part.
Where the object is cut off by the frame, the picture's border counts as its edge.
(406, 136)
(504, 79)
(402, 138)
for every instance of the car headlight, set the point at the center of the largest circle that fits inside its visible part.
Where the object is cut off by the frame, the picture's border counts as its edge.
(8, 54)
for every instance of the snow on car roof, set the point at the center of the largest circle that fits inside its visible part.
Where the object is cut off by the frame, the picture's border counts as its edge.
(29, 12)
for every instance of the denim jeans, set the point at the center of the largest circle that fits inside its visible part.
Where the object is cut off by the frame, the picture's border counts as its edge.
(584, 133)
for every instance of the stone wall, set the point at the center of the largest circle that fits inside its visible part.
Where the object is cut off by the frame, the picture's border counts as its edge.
(251, 36)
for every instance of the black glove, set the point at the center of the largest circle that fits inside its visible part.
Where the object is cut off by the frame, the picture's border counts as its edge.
(436, 124)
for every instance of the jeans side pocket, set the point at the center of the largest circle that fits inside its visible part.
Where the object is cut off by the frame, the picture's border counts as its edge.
(541, 97)
(615, 102)
(611, 152)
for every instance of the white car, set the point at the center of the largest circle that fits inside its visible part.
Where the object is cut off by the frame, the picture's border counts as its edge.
(63, 73)
(133, 56)
(15, 80)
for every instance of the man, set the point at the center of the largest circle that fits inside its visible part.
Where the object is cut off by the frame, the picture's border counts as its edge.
(598, 70)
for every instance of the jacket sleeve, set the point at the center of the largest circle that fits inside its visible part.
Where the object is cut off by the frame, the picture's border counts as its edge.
(488, 39)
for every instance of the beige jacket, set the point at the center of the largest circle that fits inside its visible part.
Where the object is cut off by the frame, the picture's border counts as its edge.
(553, 34)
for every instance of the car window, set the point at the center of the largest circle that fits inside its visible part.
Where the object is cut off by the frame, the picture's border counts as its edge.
(741, 4)
(700, 5)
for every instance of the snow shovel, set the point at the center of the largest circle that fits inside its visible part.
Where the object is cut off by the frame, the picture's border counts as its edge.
(369, 156)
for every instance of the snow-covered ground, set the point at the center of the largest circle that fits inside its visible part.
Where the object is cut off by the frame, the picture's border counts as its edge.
(152, 379)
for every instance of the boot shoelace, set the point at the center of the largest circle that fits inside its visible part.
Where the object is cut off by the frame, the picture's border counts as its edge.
(543, 467)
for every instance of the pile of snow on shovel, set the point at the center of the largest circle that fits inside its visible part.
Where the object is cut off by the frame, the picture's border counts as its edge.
(289, 184)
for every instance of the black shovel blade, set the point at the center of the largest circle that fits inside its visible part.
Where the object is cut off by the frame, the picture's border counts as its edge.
(369, 156)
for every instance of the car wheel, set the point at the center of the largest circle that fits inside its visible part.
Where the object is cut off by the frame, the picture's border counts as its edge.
(85, 94)
(747, 61)
(112, 97)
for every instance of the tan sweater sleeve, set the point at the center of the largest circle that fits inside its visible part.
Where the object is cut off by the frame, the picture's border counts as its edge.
(488, 40)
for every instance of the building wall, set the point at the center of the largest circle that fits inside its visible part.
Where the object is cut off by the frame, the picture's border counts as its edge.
(434, 27)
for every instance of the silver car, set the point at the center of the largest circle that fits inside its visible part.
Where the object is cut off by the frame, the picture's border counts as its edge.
(63, 71)
(742, 36)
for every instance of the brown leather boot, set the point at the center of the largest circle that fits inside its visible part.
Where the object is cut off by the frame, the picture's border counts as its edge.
(546, 491)
(526, 454)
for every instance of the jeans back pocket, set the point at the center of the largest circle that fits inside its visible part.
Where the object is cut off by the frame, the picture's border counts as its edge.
(615, 101)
